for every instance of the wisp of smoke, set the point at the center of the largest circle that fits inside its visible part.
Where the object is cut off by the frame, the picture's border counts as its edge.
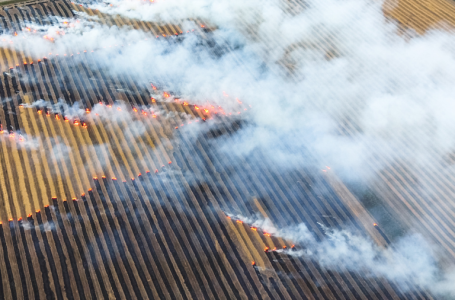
(407, 260)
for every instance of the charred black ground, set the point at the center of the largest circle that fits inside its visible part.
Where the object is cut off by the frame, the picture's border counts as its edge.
(165, 233)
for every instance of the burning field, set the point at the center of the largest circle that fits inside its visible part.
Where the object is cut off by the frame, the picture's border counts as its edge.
(227, 150)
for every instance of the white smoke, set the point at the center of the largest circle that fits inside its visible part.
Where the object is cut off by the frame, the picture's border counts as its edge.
(408, 260)
(386, 86)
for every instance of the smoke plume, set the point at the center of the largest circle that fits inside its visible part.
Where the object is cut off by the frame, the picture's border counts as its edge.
(409, 260)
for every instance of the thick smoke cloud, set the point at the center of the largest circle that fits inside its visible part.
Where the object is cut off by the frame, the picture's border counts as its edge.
(378, 83)
(307, 74)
